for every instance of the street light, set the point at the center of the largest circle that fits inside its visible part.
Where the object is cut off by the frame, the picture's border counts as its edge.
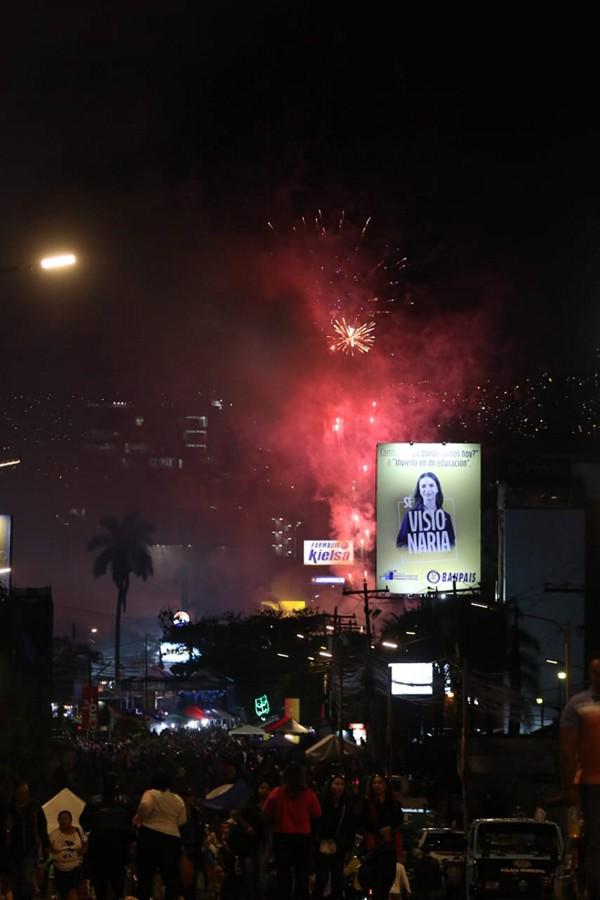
(565, 630)
(540, 703)
(60, 261)
(9, 462)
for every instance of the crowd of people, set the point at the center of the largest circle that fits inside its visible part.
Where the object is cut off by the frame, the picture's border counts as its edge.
(154, 825)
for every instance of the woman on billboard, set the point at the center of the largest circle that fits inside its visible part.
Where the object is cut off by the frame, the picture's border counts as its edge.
(426, 526)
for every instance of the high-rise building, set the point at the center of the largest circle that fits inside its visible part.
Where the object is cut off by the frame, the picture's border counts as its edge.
(543, 513)
(127, 434)
(286, 537)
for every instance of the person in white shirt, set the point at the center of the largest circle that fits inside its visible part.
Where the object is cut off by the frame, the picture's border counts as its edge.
(158, 817)
(67, 846)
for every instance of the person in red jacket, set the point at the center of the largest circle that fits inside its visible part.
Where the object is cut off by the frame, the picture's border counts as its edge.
(291, 810)
(382, 820)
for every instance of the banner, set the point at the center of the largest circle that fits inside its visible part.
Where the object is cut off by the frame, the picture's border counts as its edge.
(89, 707)
(5, 551)
(291, 708)
(428, 517)
(328, 553)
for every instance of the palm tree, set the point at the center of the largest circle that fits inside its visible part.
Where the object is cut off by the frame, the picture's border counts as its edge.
(124, 547)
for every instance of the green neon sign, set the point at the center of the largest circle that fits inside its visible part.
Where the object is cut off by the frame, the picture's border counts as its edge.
(262, 707)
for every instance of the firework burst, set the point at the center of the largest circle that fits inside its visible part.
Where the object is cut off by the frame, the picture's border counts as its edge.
(349, 338)
(347, 275)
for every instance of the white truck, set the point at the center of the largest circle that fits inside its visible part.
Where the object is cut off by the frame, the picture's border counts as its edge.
(513, 859)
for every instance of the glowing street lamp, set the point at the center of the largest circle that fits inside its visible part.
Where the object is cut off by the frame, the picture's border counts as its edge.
(9, 462)
(540, 703)
(60, 261)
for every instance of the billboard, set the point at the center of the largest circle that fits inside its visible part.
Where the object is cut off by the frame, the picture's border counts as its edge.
(411, 678)
(328, 553)
(5, 551)
(428, 517)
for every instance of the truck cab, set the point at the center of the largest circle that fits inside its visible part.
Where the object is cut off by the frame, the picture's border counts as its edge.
(514, 858)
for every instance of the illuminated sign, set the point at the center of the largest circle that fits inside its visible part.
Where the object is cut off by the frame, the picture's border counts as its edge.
(328, 579)
(327, 553)
(428, 516)
(411, 678)
(262, 707)
(174, 653)
(181, 618)
(359, 731)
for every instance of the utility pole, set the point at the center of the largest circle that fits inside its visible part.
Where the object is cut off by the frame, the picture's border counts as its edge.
(565, 629)
(366, 594)
(389, 728)
(332, 646)
(339, 649)
(145, 673)
(464, 738)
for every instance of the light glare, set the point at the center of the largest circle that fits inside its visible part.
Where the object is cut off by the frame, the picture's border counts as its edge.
(9, 462)
(58, 262)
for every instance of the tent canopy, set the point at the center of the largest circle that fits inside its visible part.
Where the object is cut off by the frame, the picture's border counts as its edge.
(246, 729)
(328, 749)
(65, 800)
(286, 725)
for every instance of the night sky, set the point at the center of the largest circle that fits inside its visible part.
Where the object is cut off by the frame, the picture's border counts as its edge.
(158, 142)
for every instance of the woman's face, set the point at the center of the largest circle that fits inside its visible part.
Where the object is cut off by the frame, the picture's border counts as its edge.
(22, 794)
(379, 786)
(64, 821)
(337, 787)
(428, 489)
(264, 789)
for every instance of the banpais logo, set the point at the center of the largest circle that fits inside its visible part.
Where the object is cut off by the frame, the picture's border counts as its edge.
(435, 577)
